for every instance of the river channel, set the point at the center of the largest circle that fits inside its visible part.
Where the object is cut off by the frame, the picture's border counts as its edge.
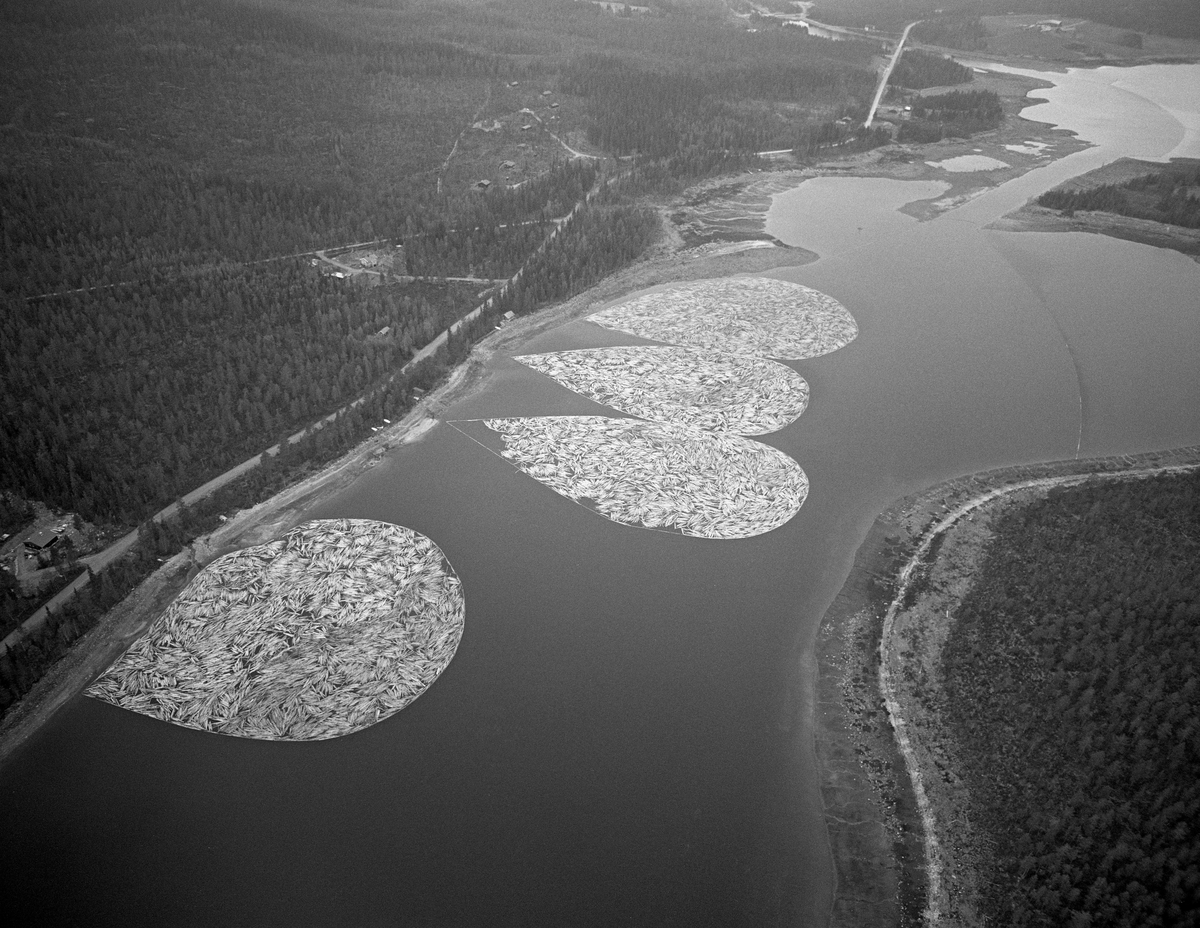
(623, 735)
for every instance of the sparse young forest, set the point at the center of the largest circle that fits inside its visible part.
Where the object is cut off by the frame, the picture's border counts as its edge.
(1071, 683)
(1162, 196)
(729, 103)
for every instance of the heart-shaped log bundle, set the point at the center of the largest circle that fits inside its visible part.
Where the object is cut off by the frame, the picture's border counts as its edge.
(704, 389)
(754, 316)
(659, 475)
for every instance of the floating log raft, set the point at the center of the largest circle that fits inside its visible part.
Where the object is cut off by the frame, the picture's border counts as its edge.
(323, 632)
(704, 389)
(753, 316)
(662, 476)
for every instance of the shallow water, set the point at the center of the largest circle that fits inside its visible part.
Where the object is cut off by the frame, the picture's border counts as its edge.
(622, 735)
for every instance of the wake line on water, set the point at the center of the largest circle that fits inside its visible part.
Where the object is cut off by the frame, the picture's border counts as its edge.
(1062, 334)
(1078, 376)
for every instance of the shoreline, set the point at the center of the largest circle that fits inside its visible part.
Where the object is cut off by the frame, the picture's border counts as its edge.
(1034, 218)
(665, 262)
(888, 780)
(737, 205)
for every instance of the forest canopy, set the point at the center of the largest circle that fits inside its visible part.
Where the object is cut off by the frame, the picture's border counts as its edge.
(1166, 196)
(1071, 677)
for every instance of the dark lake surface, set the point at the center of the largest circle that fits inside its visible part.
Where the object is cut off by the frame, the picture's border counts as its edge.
(622, 738)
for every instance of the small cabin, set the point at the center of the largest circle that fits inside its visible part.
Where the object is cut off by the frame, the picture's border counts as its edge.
(42, 541)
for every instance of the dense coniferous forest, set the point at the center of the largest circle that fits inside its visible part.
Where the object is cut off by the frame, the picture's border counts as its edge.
(1072, 689)
(123, 401)
(957, 114)
(917, 70)
(1162, 196)
(670, 113)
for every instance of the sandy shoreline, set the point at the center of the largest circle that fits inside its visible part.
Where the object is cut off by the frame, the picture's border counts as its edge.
(897, 815)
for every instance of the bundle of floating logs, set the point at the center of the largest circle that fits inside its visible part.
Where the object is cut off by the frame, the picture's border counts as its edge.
(658, 475)
(754, 316)
(323, 632)
(704, 389)
(682, 471)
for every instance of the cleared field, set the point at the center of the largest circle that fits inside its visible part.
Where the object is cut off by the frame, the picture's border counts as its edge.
(742, 315)
(323, 632)
(703, 389)
(660, 476)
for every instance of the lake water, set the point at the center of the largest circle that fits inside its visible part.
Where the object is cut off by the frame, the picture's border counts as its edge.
(622, 736)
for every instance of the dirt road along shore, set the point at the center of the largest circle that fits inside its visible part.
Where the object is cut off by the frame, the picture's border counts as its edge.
(898, 818)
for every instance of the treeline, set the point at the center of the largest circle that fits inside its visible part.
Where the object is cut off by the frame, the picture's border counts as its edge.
(1072, 690)
(824, 138)
(965, 32)
(1163, 196)
(957, 114)
(667, 113)
(917, 70)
